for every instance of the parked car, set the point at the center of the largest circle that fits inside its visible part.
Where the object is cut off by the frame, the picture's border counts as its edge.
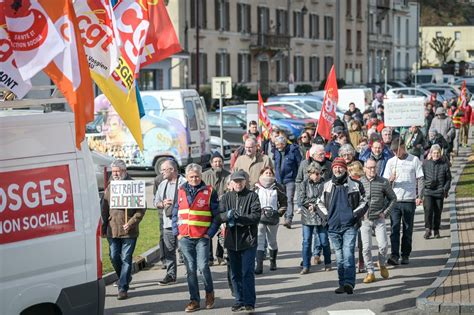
(412, 92)
(298, 110)
(293, 128)
(446, 94)
(215, 143)
(451, 88)
(233, 127)
(429, 76)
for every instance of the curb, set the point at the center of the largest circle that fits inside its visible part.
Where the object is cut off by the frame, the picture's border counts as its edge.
(422, 301)
(139, 263)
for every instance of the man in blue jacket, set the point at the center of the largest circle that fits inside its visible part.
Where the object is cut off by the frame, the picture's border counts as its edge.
(287, 161)
(343, 202)
(378, 152)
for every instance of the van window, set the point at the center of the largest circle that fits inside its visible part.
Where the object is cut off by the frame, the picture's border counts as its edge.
(191, 114)
(200, 115)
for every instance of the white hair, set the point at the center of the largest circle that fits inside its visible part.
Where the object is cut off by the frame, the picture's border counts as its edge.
(193, 167)
(120, 164)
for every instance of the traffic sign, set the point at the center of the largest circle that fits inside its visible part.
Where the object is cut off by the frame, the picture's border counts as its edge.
(221, 87)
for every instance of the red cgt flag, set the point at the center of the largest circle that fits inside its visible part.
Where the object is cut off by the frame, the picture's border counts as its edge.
(328, 113)
(161, 40)
(263, 119)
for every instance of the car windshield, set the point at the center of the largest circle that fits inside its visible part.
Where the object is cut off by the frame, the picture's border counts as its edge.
(315, 105)
(298, 113)
(273, 114)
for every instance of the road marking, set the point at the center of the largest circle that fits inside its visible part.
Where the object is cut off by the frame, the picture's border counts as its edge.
(352, 312)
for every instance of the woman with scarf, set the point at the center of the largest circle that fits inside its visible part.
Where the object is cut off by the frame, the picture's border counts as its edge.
(312, 222)
(273, 201)
(304, 142)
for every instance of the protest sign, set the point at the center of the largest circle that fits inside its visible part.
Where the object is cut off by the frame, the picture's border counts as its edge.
(404, 112)
(127, 194)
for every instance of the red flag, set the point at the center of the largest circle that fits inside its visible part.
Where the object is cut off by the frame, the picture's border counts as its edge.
(263, 119)
(161, 40)
(328, 113)
(462, 99)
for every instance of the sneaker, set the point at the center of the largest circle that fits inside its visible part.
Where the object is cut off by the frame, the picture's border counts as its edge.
(122, 295)
(339, 290)
(249, 308)
(237, 308)
(405, 260)
(427, 234)
(287, 224)
(384, 272)
(192, 306)
(327, 267)
(210, 300)
(348, 288)
(316, 260)
(211, 263)
(116, 283)
(168, 280)
(304, 271)
(393, 260)
(221, 261)
(369, 278)
(436, 234)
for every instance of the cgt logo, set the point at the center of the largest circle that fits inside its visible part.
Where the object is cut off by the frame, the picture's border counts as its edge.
(34, 26)
(201, 203)
(95, 26)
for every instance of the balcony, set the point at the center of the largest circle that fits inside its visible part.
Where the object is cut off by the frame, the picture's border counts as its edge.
(264, 41)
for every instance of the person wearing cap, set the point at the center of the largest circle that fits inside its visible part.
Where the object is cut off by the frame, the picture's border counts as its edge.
(195, 221)
(381, 199)
(287, 161)
(404, 171)
(313, 222)
(374, 121)
(437, 175)
(443, 124)
(241, 211)
(216, 178)
(339, 138)
(343, 202)
(252, 162)
(310, 128)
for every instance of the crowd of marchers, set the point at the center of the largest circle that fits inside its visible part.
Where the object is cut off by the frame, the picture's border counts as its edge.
(367, 180)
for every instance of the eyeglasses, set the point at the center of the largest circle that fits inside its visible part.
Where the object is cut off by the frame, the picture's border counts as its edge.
(371, 167)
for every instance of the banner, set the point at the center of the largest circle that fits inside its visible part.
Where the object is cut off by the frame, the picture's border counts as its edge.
(35, 203)
(69, 70)
(34, 38)
(263, 119)
(10, 77)
(161, 40)
(404, 112)
(99, 35)
(127, 194)
(328, 112)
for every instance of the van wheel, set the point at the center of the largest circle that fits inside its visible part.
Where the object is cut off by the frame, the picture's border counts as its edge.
(46, 308)
(158, 163)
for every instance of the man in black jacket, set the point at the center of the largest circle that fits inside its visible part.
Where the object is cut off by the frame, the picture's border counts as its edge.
(240, 210)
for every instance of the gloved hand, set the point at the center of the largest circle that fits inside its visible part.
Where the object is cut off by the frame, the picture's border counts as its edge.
(230, 218)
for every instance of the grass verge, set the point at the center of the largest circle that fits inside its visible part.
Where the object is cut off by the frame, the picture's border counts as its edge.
(465, 186)
(148, 238)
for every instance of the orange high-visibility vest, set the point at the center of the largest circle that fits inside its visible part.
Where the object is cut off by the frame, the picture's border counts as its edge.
(457, 118)
(194, 220)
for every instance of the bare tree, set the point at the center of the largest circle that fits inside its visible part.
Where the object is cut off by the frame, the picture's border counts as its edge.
(442, 46)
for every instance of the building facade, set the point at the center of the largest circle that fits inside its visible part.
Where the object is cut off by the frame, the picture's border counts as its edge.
(264, 44)
(463, 49)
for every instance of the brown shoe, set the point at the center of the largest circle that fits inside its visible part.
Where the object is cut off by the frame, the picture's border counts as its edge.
(210, 300)
(192, 307)
(316, 260)
(122, 295)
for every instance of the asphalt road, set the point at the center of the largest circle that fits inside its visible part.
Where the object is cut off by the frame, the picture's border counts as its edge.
(285, 291)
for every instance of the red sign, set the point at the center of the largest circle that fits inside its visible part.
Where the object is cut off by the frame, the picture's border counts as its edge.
(35, 203)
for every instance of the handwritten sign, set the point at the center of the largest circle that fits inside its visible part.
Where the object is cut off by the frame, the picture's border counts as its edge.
(127, 194)
(404, 112)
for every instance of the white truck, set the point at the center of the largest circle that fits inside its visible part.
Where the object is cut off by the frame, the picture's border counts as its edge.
(428, 76)
(50, 245)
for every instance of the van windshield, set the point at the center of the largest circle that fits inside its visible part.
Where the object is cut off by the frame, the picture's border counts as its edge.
(423, 78)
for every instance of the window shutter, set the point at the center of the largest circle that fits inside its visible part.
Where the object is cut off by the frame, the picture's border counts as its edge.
(217, 14)
(227, 64)
(193, 68)
(203, 15)
(259, 19)
(227, 16)
(295, 68)
(218, 65)
(239, 68)
(249, 68)
(239, 17)
(302, 24)
(248, 26)
(311, 26)
(295, 34)
(302, 68)
(204, 68)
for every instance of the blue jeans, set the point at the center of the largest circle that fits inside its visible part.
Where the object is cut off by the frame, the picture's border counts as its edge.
(290, 194)
(402, 212)
(308, 232)
(121, 255)
(344, 245)
(242, 265)
(317, 249)
(196, 257)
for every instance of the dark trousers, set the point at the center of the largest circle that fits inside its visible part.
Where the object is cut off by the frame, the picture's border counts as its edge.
(403, 212)
(242, 265)
(433, 206)
(219, 250)
(170, 243)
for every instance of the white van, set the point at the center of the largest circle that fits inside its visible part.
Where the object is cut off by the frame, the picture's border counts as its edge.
(361, 97)
(429, 76)
(50, 246)
(174, 126)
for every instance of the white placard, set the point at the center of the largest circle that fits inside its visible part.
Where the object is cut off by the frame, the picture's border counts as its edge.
(404, 112)
(127, 194)
(222, 87)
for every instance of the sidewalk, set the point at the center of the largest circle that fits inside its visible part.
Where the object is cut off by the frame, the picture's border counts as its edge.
(453, 290)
